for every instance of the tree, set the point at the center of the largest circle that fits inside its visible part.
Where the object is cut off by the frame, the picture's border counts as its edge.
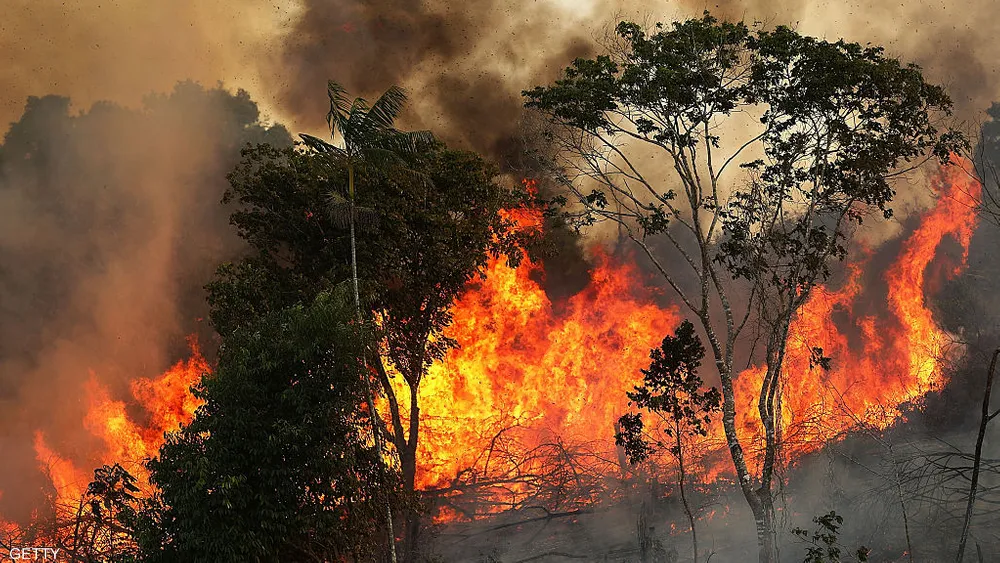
(829, 126)
(112, 502)
(984, 421)
(672, 390)
(984, 159)
(276, 464)
(369, 141)
(434, 221)
(102, 526)
(823, 544)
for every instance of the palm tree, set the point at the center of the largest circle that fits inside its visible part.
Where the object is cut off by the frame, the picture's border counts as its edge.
(368, 142)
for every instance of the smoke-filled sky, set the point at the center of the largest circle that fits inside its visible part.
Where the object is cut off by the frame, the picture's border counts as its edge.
(464, 62)
(102, 238)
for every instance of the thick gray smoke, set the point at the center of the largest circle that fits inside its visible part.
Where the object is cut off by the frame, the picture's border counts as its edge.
(465, 63)
(110, 224)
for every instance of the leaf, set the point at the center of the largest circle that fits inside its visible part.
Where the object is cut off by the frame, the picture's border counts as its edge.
(387, 107)
(321, 146)
(366, 219)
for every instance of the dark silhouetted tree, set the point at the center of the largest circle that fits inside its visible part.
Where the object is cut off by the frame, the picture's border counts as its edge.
(277, 463)
(432, 221)
(672, 390)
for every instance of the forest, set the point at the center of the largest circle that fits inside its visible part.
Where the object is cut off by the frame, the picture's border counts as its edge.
(712, 289)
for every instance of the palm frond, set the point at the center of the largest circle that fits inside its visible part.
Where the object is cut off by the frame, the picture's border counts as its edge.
(358, 114)
(339, 106)
(384, 111)
(390, 163)
(378, 158)
(336, 198)
(408, 142)
(321, 146)
(416, 176)
(358, 129)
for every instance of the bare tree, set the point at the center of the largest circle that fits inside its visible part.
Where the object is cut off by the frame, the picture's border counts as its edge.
(984, 421)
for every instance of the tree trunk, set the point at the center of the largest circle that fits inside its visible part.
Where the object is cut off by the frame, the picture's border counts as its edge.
(370, 394)
(408, 460)
(623, 467)
(767, 537)
(760, 501)
(977, 460)
(680, 484)
(769, 409)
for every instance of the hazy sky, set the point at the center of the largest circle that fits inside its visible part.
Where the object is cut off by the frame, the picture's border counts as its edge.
(465, 62)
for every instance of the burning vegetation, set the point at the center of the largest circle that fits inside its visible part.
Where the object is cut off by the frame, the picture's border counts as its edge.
(392, 374)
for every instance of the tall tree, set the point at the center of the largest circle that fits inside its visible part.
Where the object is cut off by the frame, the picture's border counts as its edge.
(370, 141)
(816, 132)
(433, 221)
(276, 464)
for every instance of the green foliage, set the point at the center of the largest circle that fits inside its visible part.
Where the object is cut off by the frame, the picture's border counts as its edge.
(429, 241)
(818, 131)
(836, 121)
(275, 464)
(672, 390)
(429, 219)
(105, 525)
(369, 136)
(824, 541)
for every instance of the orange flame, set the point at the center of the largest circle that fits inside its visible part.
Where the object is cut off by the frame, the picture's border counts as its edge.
(167, 402)
(897, 357)
(557, 372)
(68, 482)
(562, 369)
(558, 369)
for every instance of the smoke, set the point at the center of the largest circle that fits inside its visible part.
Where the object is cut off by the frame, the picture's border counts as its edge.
(465, 64)
(110, 224)
(952, 42)
(95, 50)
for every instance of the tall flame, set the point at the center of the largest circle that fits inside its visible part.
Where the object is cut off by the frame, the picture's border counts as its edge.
(558, 369)
(561, 370)
(167, 402)
(897, 357)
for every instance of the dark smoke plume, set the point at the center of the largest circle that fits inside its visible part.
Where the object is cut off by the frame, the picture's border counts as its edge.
(465, 64)
(953, 42)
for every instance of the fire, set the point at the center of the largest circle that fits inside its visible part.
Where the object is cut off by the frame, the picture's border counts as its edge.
(533, 377)
(167, 402)
(68, 482)
(895, 359)
(559, 371)
(546, 369)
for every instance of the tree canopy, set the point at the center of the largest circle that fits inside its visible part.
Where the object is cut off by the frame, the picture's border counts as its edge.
(275, 464)
(749, 153)
(432, 220)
